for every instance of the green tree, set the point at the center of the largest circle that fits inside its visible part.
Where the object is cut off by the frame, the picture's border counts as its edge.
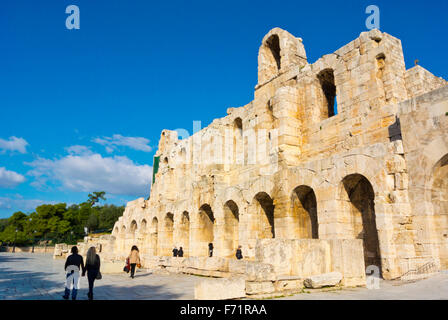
(18, 220)
(92, 222)
(59, 222)
(3, 224)
(108, 215)
(96, 197)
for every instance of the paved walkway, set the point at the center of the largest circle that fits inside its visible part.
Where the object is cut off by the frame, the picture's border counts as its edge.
(39, 277)
(26, 276)
(433, 288)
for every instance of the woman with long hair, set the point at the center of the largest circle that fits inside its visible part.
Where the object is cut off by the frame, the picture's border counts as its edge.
(134, 259)
(93, 269)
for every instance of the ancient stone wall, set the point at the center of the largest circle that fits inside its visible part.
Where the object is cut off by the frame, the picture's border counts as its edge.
(324, 151)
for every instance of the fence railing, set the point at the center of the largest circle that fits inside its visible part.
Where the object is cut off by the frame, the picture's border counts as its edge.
(422, 271)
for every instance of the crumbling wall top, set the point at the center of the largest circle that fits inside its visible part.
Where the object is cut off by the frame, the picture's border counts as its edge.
(279, 51)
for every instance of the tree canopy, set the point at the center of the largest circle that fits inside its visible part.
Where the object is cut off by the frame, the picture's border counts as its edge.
(59, 222)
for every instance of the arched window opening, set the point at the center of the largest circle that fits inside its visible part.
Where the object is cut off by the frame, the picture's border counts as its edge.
(305, 213)
(326, 79)
(231, 224)
(273, 43)
(439, 199)
(263, 207)
(204, 230)
(184, 233)
(359, 198)
(238, 124)
(154, 236)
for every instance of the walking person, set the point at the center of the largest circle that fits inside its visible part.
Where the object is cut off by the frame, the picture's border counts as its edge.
(239, 253)
(134, 259)
(180, 253)
(93, 264)
(73, 265)
(210, 250)
(175, 252)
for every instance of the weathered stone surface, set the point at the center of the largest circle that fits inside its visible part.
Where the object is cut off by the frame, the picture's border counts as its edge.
(259, 287)
(288, 283)
(323, 280)
(256, 271)
(285, 166)
(220, 289)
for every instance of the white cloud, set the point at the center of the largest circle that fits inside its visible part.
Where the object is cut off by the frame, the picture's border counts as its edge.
(78, 150)
(10, 179)
(13, 144)
(20, 203)
(91, 172)
(136, 143)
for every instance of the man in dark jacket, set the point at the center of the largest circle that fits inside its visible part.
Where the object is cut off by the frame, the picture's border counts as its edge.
(210, 249)
(239, 253)
(175, 252)
(73, 265)
(180, 253)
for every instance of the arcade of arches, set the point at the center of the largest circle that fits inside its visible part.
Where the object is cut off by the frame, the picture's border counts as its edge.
(357, 199)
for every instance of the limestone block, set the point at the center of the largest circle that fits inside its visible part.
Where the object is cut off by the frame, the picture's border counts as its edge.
(275, 252)
(312, 256)
(256, 271)
(220, 289)
(237, 266)
(290, 283)
(323, 280)
(215, 264)
(259, 287)
(347, 257)
(401, 181)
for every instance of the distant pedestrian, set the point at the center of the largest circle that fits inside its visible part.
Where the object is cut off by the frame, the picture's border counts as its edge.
(73, 265)
(93, 269)
(175, 252)
(210, 250)
(180, 253)
(239, 253)
(134, 259)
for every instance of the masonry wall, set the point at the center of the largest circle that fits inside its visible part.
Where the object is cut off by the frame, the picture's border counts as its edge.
(312, 174)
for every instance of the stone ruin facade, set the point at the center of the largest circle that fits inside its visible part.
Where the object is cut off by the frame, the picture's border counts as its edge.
(337, 165)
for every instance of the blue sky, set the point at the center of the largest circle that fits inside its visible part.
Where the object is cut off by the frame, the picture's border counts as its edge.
(82, 110)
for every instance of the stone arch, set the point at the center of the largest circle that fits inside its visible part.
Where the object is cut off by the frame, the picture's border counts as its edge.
(133, 227)
(358, 207)
(168, 228)
(203, 233)
(237, 149)
(184, 233)
(439, 200)
(238, 125)
(143, 226)
(304, 213)
(278, 52)
(154, 236)
(261, 185)
(230, 228)
(261, 220)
